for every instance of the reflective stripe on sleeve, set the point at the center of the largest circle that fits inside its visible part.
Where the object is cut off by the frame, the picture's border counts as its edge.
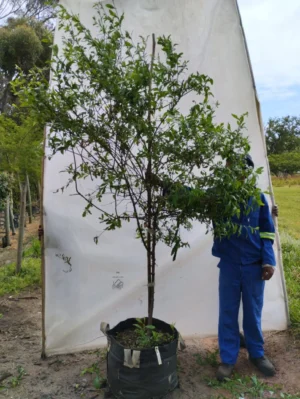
(270, 236)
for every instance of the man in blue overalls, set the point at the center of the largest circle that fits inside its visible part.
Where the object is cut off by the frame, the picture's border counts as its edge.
(246, 262)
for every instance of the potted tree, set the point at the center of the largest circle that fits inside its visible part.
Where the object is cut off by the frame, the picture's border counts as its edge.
(115, 106)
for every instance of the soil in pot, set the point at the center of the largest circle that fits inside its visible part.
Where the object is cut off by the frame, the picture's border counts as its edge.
(143, 336)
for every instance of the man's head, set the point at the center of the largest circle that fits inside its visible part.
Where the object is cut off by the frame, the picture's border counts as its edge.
(248, 161)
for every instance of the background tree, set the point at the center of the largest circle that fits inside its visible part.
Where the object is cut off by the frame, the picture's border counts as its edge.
(41, 9)
(287, 163)
(117, 112)
(21, 151)
(5, 189)
(283, 135)
(24, 43)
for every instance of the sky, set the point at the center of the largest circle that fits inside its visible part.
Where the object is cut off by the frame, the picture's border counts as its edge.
(273, 35)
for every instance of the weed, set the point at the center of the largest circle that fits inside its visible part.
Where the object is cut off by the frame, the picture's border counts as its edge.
(248, 388)
(1, 315)
(34, 250)
(93, 369)
(143, 336)
(98, 381)
(12, 283)
(148, 336)
(15, 381)
(103, 354)
(242, 387)
(210, 358)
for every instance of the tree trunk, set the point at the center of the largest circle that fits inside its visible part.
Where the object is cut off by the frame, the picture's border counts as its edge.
(21, 226)
(29, 199)
(150, 217)
(151, 260)
(39, 191)
(20, 186)
(11, 216)
(7, 224)
(5, 96)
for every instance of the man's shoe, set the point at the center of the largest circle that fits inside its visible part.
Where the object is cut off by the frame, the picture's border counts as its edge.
(264, 366)
(224, 371)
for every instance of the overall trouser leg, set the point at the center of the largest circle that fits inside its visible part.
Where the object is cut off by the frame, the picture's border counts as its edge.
(229, 303)
(253, 298)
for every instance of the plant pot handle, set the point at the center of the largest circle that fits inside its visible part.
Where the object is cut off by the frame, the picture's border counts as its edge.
(104, 327)
(181, 343)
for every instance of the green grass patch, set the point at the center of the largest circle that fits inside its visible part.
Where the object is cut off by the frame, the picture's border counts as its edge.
(288, 200)
(291, 263)
(34, 250)
(30, 275)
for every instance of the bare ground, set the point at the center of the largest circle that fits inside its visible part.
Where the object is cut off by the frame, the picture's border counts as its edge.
(60, 377)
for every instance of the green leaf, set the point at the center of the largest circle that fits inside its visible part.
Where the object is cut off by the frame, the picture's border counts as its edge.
(150, 327)
(97, 382)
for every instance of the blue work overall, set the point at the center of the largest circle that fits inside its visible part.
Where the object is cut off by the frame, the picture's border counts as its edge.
(241, 260)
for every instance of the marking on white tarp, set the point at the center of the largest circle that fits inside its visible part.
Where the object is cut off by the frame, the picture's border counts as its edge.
(118, 283)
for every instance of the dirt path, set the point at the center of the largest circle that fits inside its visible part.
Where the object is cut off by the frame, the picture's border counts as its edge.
(9, 254)
(60, 377)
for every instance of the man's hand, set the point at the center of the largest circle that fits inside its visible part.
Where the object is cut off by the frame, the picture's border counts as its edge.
(267, 272)
(275, 211)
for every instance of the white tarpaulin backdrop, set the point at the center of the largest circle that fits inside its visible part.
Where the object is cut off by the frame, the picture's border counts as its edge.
(108, 280)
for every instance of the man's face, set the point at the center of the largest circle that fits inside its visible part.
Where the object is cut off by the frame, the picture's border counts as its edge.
(229, 164)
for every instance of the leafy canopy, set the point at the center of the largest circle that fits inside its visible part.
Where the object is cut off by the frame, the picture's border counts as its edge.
(24, 43)
(285, 163)
(5, 187)
(21, 146)
(283, 135)
(114, 111)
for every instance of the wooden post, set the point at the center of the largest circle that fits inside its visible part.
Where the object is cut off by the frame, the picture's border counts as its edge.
(29, 199)
(41, 194)
(21, 227)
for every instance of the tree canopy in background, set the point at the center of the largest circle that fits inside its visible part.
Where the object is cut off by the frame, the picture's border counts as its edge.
(283, 135)
(285, 163)
(40, 9)
(26, 36)
(24, 43)
(283, 144)
(21, 145)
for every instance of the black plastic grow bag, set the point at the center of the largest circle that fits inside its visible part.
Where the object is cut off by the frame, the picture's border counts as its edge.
(145, 374)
